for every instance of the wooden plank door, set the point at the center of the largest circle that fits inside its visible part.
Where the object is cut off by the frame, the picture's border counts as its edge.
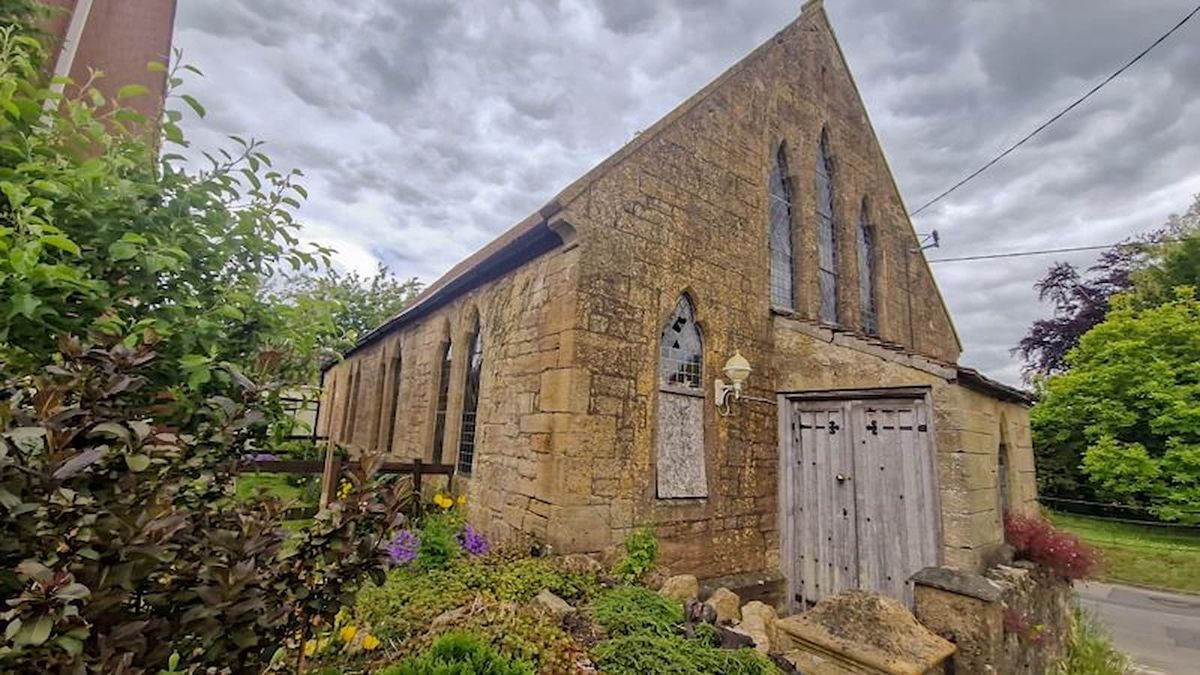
(860, 504)
(825, 552)
(898, 524)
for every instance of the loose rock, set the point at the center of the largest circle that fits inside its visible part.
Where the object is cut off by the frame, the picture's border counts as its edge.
(552, 604)
(683, 587)
(758, 621)
(725, 603)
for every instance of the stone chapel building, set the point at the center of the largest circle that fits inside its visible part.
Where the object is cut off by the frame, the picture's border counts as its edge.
(568, 369)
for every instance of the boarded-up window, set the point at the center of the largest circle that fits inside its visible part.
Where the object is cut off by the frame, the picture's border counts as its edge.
(466, 439)
(680, 428)
(866, 273)
(393, 405)
(443, 399)
(1002, 478)
(827, 275)
(780, 198)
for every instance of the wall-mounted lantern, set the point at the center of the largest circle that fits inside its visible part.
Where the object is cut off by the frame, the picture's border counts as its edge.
(737, 369)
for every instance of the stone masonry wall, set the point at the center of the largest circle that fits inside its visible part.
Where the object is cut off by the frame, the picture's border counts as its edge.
(527, 335)
(684, 210)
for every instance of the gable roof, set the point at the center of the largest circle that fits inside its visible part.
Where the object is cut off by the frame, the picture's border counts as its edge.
(535, 235)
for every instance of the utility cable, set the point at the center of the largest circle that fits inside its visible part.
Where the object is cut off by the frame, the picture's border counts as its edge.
(1058, 115)
(1048, 251)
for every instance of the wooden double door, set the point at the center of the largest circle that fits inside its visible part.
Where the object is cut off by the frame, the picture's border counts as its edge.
(859, 495)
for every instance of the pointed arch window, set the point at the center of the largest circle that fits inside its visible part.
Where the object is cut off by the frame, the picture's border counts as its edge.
(443, 400)
(466, 439)
(827, 275)
(780, 197)
(680, 460)
(351, 410)
(867, 264)
(392, 406)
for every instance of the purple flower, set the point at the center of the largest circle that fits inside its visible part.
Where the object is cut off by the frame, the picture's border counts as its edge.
(404, 547)
(260, 457)
(472, 541)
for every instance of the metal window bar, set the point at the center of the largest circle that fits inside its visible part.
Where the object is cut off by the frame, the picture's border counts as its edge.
(466, 441)
(783, 294)
(866, 275)
(681, 350)
(827, 276)
(443, 399)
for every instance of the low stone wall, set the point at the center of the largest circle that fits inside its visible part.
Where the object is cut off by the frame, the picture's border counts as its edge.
(1012, 619)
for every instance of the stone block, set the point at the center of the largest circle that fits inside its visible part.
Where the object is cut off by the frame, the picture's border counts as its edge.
(682, 587)
(726, 605)
(565, 390)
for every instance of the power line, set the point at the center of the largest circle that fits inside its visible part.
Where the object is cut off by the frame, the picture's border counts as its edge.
(1058, 115)
(1050, 251)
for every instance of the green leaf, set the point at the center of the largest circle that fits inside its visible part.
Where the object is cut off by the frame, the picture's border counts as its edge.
(122, 250)
(137, 463)
(60, 242)
(23, 304)
(194, 105)
(35, 633)
(132, 90)
(71, 645)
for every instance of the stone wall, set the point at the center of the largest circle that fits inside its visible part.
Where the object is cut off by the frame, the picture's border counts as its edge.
(1014, 619)
(526, 320)
(571, 340)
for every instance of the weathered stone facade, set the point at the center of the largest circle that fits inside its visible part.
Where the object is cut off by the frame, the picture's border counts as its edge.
(571, 326)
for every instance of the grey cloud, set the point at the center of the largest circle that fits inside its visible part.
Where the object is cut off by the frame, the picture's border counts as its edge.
(427, 127)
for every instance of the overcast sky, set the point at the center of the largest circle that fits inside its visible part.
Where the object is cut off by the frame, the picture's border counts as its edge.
(427, 127)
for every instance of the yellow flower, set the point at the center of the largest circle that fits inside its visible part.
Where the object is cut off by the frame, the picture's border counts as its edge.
(347, 633)
(370, 642)
(310, 648)
(344, 489)
(443, 501)
(462, 500)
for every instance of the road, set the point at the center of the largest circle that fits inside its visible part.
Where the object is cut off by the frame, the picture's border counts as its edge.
(1160, 631)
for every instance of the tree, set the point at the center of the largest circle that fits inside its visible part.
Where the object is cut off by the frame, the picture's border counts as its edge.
(319, 316)
(1155, 263)
(1123, 422)
(101, 234)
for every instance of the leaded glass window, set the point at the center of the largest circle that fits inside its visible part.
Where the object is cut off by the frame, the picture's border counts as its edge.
(780, 198)
(827, 275)
(866, 273)
(680, 349)
(466, 440)
(443, 399)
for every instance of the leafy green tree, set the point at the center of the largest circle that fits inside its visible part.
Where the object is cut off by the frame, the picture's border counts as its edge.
(1173, 263)
(318, 316)
(100, 234)
(1125, 417)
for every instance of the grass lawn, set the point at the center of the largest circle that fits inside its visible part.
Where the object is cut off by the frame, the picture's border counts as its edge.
(276, 484)
(1142, 555)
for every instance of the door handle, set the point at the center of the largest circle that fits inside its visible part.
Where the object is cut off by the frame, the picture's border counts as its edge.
(842, 479)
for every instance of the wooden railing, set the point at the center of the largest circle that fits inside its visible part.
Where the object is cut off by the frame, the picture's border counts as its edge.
(330, 469)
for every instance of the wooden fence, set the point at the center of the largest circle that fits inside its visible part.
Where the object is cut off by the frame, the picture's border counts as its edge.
(330, 469)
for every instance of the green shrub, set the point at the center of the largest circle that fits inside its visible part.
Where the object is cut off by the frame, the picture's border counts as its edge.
(526, 635)
(641, 552)
(460, 654)
(1090, 651)
(630, 610)
(439, 542)
(409, 600)
(521, 579)
(642, 654)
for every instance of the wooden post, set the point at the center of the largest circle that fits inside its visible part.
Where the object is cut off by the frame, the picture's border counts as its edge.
(416, 477)
(330, 477)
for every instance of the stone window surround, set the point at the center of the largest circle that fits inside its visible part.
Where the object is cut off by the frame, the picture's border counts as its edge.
(701, 394)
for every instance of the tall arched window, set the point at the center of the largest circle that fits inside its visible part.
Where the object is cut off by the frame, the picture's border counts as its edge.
(680, 455)
(780, 198)
(466, 439)
(392, 405)
(866, 273)
(349, 420)
(443, 399)
(827, 275)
